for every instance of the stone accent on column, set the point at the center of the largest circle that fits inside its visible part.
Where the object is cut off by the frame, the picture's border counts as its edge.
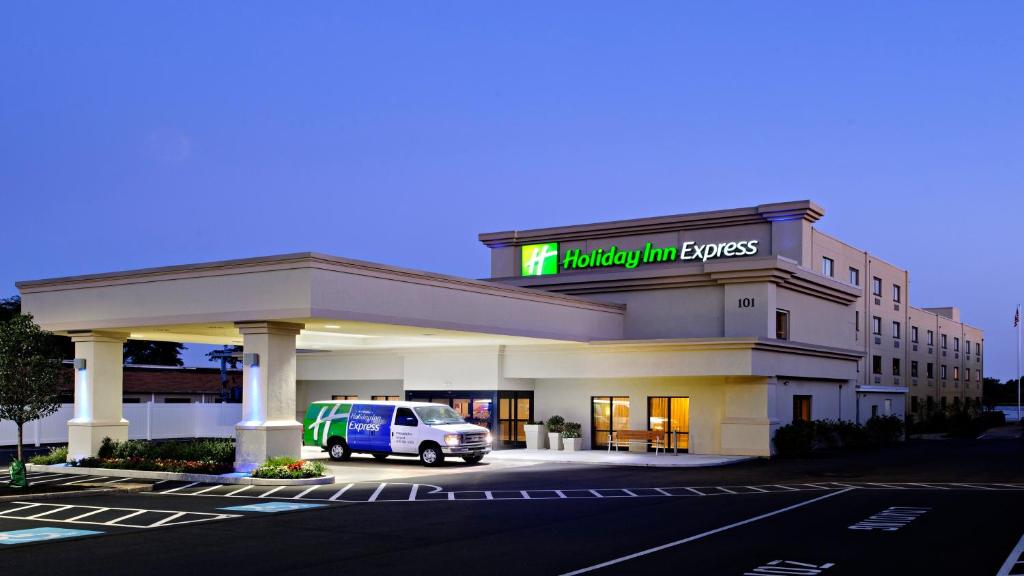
(268, 427)
(98, 393)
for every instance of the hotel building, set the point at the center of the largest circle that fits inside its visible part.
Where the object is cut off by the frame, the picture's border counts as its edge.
(717, 326)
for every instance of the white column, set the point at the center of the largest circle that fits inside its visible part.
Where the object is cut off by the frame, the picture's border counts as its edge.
(268, 427)
(98, 388)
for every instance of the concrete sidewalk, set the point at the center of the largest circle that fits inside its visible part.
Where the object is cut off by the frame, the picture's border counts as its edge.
(666, 460)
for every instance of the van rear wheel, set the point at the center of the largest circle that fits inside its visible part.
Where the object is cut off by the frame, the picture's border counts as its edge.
(431, 455)
(338, 450)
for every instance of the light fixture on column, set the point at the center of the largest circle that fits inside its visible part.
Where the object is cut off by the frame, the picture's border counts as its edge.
(79, 363)
(251, 359)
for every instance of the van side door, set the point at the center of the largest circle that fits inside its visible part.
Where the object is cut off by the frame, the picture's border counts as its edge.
(405, 433)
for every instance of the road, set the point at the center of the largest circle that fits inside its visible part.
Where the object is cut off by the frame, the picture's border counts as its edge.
(957, 511)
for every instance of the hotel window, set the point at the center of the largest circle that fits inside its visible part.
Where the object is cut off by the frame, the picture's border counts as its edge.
(956, 372)
(782, 324)
(913, 404)
(895, 366)
(967, 375)
(913, 368)
(977, 348)
(387, 398)
(343, 397)
(930, 371)
(607, 414)
(827, 266)
(913, 334)
(967, 346)
(942, 372)
(801, 408)
(876, 364)
(931, 338)
(942, 338)
(956, 343)
(854, 276)
(895, 292)
(896, 330)
(876, 286)
(977, 375)
(876, 325)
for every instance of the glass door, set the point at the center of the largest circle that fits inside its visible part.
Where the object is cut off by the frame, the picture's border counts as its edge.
(475, 407)
(515, 409)
(607, 414)
(670, 414)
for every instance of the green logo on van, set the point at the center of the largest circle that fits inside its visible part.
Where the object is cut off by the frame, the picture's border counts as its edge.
(540, 259)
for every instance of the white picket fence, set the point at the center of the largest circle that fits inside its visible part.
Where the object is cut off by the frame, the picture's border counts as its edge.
(147, 421)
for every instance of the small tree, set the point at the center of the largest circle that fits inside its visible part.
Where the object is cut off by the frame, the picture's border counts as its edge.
(30, 373)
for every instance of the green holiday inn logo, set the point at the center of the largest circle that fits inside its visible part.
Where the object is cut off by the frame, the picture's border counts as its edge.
(540, 259)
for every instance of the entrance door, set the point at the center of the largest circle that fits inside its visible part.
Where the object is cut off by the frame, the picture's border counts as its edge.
(670, 414)
(515, 409)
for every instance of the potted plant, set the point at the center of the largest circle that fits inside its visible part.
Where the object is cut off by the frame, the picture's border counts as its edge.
(536, 435)
(555, 424)
(572, 436)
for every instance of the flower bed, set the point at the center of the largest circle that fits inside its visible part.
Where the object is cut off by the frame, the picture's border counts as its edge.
(214, 456)
(157, 465)
(285, 468)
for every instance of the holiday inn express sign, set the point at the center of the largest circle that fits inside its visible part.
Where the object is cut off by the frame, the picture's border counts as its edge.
(543, 259)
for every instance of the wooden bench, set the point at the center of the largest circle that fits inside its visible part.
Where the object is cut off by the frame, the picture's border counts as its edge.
(655, 438)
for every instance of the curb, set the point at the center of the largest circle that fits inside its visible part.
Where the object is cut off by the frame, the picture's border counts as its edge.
(179, 476)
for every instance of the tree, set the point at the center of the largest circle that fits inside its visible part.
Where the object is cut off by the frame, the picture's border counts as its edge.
(30, 373)
(154, 353)
(11, 307)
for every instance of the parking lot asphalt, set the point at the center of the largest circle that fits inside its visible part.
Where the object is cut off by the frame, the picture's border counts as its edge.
(953, 516)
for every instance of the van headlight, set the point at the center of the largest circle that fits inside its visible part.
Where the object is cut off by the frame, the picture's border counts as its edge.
(487, 438)
(452, 439)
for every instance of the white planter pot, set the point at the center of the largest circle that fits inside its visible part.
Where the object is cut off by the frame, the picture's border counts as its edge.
(572, 444)
(555, 440)
(536, 436)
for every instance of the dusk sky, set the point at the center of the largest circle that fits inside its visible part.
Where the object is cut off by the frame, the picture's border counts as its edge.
(143, 134)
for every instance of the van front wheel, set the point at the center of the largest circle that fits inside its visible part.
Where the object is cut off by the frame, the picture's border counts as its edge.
(338, 450)
(431, 455)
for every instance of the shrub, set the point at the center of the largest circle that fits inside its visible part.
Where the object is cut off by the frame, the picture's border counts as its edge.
(884, 430)
(202, 456)
(285, 467)
(795, 439)
(555, 423)
(572, 430)
(57, 455)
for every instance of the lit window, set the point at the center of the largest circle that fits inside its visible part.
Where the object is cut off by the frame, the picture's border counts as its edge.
(956, 372)
(801, 408)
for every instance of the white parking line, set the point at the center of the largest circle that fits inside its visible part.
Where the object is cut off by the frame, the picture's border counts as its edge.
(125, 517)
(1013, 559)
(596, 493)
(304, 492)
(167, 519)
(340, 492)
(240, 490)
(269, 492)
(214, 487)
(702, 534)
(96, 511)
(377, 492)
(58, 509)
(179, 488)
(88, 479)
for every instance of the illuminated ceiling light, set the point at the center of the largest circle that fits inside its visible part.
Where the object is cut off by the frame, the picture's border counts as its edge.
(331, 326)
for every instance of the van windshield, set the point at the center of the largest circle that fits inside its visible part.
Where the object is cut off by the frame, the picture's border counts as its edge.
(438, 415)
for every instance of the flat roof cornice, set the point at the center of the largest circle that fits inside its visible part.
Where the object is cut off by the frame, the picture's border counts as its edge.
(803, 209)
(312, 260)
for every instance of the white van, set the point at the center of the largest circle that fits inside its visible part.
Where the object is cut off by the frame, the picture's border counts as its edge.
(430, 431)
